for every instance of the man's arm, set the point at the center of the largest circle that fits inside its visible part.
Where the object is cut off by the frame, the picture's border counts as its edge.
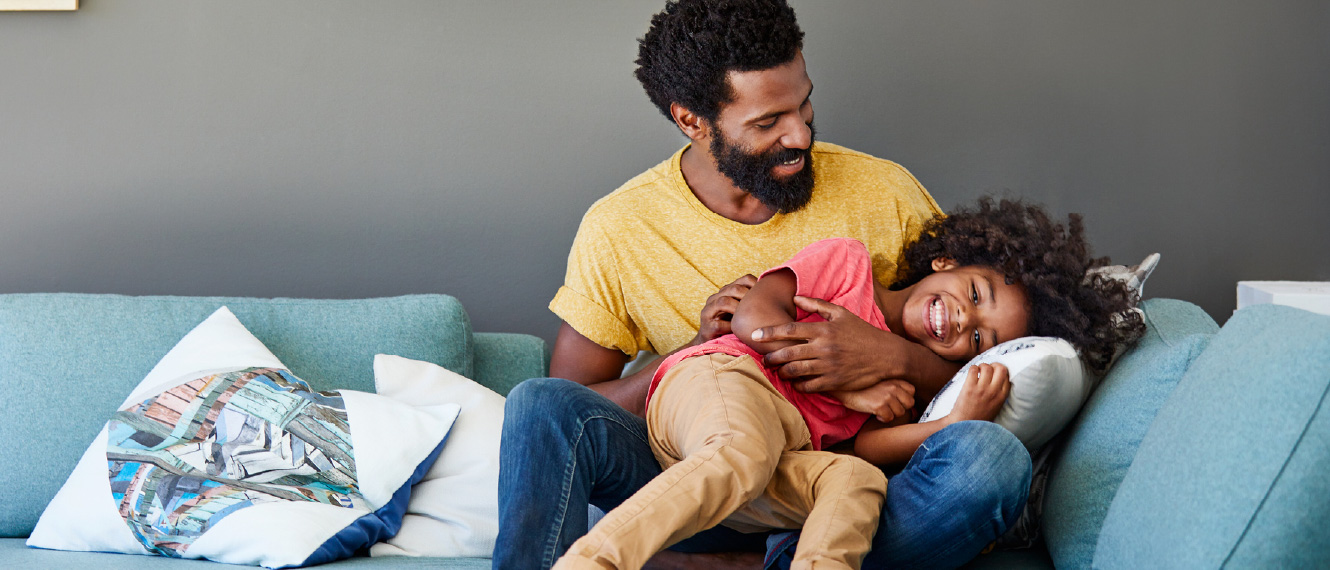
(581, 360)
(846, 353)
(770, 303)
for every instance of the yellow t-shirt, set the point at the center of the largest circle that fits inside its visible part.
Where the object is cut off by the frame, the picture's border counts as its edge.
(648, 255)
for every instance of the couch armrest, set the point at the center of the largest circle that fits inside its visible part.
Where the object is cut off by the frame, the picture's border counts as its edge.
(502, 360)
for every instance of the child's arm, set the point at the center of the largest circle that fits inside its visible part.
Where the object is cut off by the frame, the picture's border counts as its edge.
(770, 302)
(888, 399)
(849, 353)
(986, 388)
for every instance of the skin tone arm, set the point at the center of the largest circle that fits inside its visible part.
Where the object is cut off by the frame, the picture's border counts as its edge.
(577, 358)
(986, 388)
(770, 303)
(846, 353)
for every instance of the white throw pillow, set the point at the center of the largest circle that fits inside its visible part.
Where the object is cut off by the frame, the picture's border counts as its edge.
(454, 511)
(221, 453)
(1048, 386)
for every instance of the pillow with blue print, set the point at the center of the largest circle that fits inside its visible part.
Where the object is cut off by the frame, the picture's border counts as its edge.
(222, 453)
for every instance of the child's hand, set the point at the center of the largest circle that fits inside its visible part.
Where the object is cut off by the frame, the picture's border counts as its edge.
(887, 400)
(986, 388)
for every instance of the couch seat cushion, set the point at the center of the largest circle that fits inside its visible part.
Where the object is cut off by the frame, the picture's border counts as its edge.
(15, 554)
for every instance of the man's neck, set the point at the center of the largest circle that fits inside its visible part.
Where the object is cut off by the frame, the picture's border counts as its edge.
(717, 192)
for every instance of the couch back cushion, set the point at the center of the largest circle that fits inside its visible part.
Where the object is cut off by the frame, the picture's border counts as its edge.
(68, 360)
(1102, 441)
(1233, 471)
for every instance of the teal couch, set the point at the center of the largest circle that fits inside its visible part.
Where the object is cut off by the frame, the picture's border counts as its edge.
(1202, 448)
(67, 361)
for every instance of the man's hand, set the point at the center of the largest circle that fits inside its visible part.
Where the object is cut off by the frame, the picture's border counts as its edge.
(887, 400)
(986, 388)
(842, 353)
(720, 307)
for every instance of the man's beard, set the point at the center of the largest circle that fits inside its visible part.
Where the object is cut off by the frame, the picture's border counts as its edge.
(752, 172)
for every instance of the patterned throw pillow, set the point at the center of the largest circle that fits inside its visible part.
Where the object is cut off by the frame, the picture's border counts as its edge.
(222, 453)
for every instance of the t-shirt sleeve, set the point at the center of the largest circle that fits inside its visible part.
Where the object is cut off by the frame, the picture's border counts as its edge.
(835, 270)
(591, 299)
(916, 207)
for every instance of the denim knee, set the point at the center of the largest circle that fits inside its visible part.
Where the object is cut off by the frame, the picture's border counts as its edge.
(536, 391)
(992, 461)
(552, 396)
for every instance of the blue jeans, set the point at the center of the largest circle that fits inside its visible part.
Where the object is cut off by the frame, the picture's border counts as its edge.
(565, 446)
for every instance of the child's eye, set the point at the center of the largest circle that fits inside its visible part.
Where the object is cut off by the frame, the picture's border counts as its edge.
(974, 295)
(977, 340)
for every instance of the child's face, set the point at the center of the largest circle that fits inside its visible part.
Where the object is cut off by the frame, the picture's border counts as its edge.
(959, 312)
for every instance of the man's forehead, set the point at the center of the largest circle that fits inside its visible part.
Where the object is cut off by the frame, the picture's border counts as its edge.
(777, 89)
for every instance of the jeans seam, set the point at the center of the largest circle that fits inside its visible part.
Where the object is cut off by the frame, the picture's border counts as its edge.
(553, 541)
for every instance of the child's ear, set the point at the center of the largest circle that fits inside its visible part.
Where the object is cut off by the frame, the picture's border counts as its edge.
(944, 264)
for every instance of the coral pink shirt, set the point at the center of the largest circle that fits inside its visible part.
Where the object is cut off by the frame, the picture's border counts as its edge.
(839, 270)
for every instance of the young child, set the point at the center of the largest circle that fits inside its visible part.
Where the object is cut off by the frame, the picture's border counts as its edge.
(743, 448)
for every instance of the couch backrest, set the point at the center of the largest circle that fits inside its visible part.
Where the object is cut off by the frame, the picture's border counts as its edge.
(1101, 442)
(1232, 473)
(67, 361)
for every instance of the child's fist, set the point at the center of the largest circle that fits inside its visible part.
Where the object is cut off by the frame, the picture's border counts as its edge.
(986, 388)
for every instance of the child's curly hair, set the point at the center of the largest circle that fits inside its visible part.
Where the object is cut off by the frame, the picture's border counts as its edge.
(1020, 241)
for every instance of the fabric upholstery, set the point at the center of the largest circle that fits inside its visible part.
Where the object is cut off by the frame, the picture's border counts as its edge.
(1101, 442)
(15, 554)
(1232, 473)
(504, 360)
(82, 353)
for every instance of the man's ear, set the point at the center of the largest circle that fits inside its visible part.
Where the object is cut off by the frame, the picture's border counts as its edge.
(693, 126)
(944, 264)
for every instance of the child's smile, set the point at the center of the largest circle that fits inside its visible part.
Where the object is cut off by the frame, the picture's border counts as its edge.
(958, 312)
(935, 314)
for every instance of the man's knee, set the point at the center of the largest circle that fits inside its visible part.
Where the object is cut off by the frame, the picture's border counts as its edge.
(537, 390)
(992, 449)
(541, 402)
(990, 460)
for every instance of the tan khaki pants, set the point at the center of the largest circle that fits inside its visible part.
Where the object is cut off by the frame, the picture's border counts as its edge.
(736, 452)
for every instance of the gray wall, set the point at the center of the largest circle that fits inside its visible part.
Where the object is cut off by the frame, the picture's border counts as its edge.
(321, 148)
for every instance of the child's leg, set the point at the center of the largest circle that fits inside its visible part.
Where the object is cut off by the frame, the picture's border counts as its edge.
(837, 499)
(844, 495)
(723, 427)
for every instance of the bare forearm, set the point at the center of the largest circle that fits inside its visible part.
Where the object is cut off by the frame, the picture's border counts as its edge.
(629, 392)
(896, 444)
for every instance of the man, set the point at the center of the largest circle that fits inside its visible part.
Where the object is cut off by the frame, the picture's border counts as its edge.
(749, 191)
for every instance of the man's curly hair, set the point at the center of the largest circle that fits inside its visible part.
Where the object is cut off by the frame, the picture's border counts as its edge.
(693, 44)
(1049, 261)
